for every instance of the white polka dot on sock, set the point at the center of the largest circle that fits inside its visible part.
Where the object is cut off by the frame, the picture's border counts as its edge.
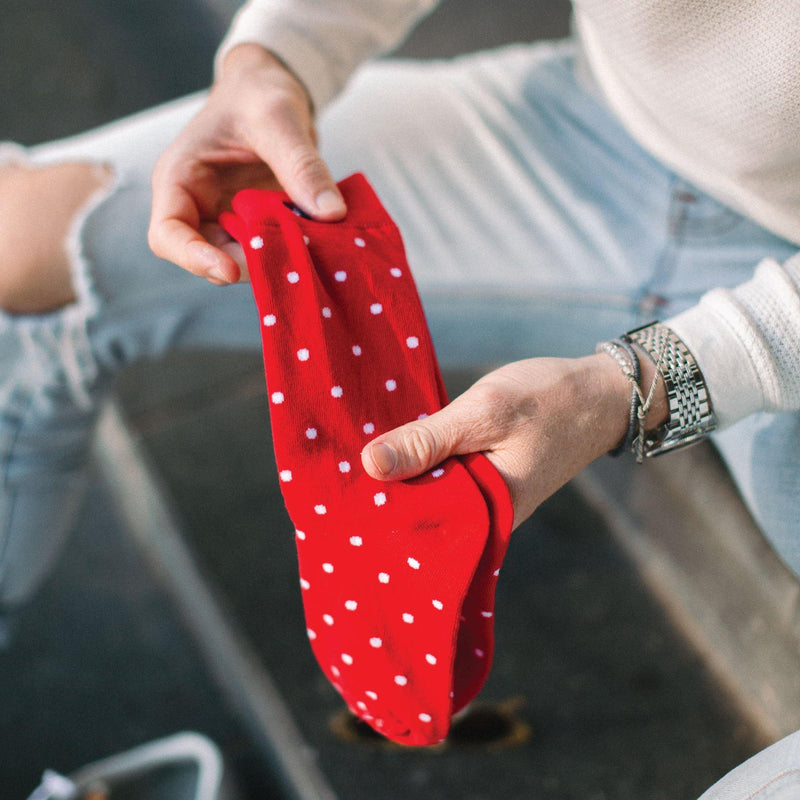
(277, 398)
(369, 428)
(347, 658)
(320, 509)
(292, 277)
(327, 567)
(371, 695)
(412, 342)
(479, 653)
(487, 614)
(256, 243)
(359, 242)
(438, 604)
(311, 433)
(326, 312)
(335, 670)
(336, 391)
(361, 705)
(356, 541)
(422, 416)
(344, 466)
(437, 473)
(340, 275)
(375, 641)
(375, 308)
(413, 563)
(380, 498)
(356, 350)
(430, 658)
(425, 717)
(395, 272)
(304, 584)
(400, 680)
(496, 573)
(350, 605)
(270, 320)
(306, 240)
(311, 634)
(327, 619)
(383, 577)
(391, 385)
(303, 354)
(285, 475)
(409, 618)
(300, 535)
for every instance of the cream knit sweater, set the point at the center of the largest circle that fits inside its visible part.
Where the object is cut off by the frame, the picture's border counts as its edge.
(709, 87)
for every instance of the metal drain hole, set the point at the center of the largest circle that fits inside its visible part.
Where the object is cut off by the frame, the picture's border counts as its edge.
(491, 726)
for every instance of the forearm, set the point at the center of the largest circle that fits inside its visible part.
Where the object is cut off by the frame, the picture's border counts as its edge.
(746, 341)
(323, 42)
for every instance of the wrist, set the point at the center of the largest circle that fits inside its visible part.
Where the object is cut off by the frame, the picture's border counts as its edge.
(252, 62)
(612, 401)
(248, 56)
(616, 392)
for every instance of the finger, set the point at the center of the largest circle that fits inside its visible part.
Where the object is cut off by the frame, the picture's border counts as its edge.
(218, 237)
(287, 144)
(416, 447)
(174, 234)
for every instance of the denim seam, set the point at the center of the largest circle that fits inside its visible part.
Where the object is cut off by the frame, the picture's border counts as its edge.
(665, 264)
(13, 417)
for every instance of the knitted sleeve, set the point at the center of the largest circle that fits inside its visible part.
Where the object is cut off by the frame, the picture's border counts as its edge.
(323, 42)
(746, 341)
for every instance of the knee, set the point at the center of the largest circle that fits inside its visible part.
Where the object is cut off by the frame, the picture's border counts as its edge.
(37, 208)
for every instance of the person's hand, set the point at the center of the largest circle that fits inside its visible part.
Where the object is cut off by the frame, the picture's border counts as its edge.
(539, 422)
(255, 130)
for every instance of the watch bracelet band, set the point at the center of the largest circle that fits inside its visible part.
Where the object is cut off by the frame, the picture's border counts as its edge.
(691, 415)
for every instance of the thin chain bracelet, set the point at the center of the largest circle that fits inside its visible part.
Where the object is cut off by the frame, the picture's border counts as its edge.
(628, 362)
(622, 351)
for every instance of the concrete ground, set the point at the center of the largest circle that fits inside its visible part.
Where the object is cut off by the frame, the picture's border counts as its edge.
(608, 697)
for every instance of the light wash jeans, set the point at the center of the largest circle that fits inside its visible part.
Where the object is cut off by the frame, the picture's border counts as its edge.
(534, 226)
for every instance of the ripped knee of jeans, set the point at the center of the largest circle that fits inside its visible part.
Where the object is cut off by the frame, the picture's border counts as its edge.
(41, 211)
(47, 296)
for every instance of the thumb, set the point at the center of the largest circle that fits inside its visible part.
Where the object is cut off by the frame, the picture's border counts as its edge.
(288, 146)
(416, 447)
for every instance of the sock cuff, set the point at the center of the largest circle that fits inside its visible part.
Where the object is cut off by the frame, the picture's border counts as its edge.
(364, 208)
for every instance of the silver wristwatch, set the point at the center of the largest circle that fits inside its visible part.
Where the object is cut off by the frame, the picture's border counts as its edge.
(691, 416)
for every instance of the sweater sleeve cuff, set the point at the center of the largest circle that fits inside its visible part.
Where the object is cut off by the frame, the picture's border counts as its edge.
(276, 33)
(746, 342)
(322, 44)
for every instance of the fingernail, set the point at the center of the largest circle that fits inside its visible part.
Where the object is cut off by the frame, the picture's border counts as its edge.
(329, 202)
(218, 273)
(384, 457)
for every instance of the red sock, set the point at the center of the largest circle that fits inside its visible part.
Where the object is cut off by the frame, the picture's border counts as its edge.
(385, 566)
